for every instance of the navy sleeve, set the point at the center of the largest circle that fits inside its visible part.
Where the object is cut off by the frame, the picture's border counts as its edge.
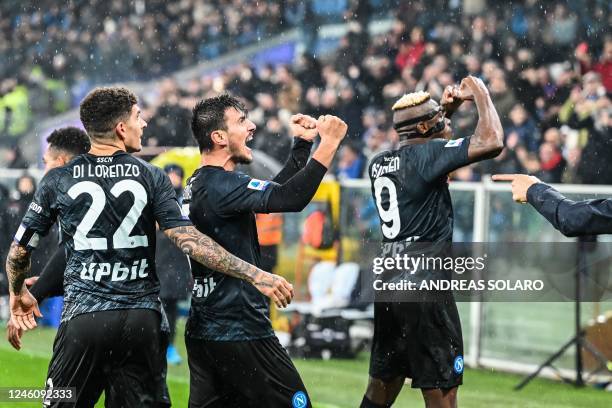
(439, 157)
(51, 280)
(41, 213)
(235, 193)
(165, 204)
(241, 193)
(297, 160)
(572, 218)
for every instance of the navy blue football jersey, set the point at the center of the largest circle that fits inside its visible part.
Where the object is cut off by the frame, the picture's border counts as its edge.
(410, 189)
(107, 207)
(222, 204)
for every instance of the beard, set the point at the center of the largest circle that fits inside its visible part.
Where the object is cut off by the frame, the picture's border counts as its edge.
(239, 155)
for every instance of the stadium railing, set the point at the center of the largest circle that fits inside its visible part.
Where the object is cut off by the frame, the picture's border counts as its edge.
(510, 336)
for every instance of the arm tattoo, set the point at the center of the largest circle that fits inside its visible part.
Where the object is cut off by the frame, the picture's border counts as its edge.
(206, 251)
(17, 266)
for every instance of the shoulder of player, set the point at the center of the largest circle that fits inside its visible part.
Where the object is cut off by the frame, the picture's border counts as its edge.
(223, 181)
(428, 146)
(432, 143)
(149, 168)
(214, 179)
(379, 157)
(54, 175)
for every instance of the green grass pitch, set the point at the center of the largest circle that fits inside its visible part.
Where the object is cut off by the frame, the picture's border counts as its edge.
(331, 384)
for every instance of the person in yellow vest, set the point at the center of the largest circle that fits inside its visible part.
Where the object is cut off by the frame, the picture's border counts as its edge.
(270, 233)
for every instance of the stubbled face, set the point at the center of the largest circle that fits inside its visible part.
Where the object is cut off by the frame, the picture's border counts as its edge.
(53, 158)
(134, 128)
(240, 130)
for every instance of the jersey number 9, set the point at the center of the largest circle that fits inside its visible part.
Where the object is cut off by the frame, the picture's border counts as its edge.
(390, 216)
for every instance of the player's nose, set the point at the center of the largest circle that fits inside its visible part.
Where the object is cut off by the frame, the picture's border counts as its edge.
(252, 126)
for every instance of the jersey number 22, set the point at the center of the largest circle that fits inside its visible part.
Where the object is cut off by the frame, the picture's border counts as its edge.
(121, 237)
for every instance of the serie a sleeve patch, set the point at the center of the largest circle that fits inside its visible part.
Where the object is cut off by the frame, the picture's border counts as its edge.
(256, 184)
(454, 143)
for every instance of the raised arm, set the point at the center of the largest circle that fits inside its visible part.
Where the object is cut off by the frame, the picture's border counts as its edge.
(303, 130)
(206, 251)
(488, 139)
(297, 192)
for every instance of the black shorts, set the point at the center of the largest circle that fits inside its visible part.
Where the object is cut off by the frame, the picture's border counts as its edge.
(116, 351)
(256, 373)
(421, 341)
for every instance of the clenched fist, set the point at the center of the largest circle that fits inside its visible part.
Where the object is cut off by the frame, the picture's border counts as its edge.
(451, 98)
(331, 128)
(303, 126)
(470, 87)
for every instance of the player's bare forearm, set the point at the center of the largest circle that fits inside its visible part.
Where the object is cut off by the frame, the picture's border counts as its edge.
(325, 152)
(17, 267)
(488, 139)
(206, 251)
(209, 253)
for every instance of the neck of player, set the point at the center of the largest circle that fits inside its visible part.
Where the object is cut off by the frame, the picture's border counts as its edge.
(218, 158)
(415, 140)
(106, 147)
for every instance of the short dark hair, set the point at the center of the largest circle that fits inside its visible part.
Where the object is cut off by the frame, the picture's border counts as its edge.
(209, 115)
(71, 140)
(103, 108)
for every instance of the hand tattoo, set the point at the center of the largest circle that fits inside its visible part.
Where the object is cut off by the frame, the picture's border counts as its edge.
(17, 266)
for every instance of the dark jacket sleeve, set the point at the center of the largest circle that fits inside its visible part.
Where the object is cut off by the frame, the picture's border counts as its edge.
(51, 280)
(572, 218)
(297, 160)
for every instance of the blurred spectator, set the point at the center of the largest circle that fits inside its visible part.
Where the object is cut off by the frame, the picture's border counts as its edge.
(410, 53)
(274, 140)
(15, 159)
(524, 127)
(351, 163)
(598, 150)
(25, 186)
(22, 196)
(546, 64)
(561, 30)
(552, 163)
(570, 174)
(503, 98)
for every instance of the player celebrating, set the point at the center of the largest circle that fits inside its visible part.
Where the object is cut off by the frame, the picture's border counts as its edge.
(107, 202)
(422, 340)
(235, 360)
